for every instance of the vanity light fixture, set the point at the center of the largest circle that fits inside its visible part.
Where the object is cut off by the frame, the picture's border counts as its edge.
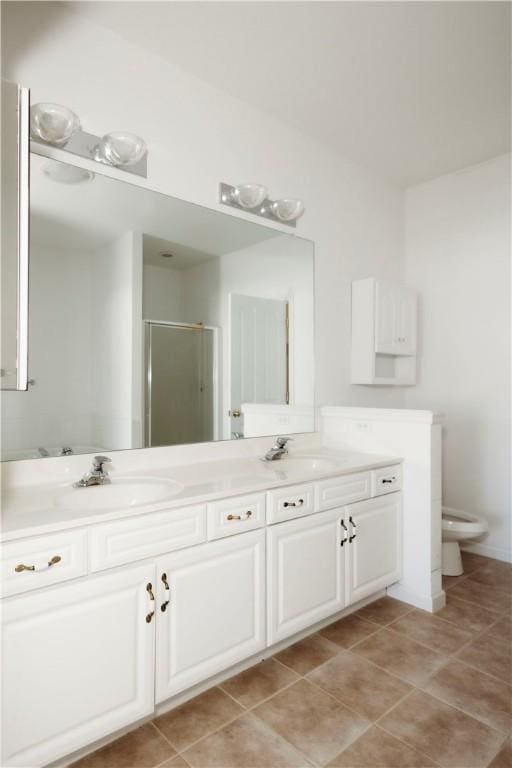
(66, 174)
(252, 198)
(53, 124)
(58, 126)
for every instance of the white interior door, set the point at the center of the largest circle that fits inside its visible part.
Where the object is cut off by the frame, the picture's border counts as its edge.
(259, 353)
(215, 614)
(77, 664)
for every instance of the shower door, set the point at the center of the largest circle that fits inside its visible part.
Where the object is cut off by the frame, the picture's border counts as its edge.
(180, 384)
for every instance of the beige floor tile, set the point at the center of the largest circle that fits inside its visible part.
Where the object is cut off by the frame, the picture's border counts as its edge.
(175, 762)
(489, 654)
(471, 561)
(377, 749)
(384, 611)
(502, 629)
(445, 734)
(481, 594)
(197, 717)
(141, 748)
(449, 581)
(245, 743)
(348, 631)
(312, 721)
(478, 694)
(496, 574)
(307, 654)
(466, 616)
(504, 757)
(404, 657)
(425, 628)
(259, 682)
(359, 684)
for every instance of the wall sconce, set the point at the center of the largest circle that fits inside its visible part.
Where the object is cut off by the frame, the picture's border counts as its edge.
(252, 198)
(57, 126)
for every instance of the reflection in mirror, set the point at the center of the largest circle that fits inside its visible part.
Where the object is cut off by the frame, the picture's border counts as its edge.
(156, 322)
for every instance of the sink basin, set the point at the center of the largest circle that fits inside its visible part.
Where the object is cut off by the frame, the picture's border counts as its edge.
(304, 464)
(120, 493)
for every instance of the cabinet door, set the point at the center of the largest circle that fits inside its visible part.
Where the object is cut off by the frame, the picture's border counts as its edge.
(305, 572)
(211, 610)
(373, 550)
(77, 664)
(386, 319)
(406, 322)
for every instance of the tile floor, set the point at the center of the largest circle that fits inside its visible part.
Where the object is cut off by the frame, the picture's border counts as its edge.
(387, 687)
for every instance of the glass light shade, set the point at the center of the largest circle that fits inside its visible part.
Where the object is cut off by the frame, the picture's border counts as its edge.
(288, 209)
(66, 174)
(120, 148)
(53, 123)
(249, 195)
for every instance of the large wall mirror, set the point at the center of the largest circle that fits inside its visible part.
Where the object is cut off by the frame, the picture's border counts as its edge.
(153, 322)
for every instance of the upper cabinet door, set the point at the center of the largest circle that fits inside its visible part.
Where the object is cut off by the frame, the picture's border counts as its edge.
(406, 322)
(210, 610)
(78, 664)
(386, 319)
(14, 237)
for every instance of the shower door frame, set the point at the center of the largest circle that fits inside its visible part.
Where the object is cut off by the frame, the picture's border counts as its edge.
(147, 363)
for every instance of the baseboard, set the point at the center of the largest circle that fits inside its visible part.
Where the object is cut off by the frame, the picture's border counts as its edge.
(430, 603)
(497, 553)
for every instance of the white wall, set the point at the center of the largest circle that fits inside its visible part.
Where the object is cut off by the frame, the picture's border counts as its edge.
(198, 136)
(458, 257)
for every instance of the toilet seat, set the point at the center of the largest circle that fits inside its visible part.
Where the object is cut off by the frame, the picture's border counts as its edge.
(457, 525)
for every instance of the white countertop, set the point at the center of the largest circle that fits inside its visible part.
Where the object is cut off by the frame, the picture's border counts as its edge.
(35, 509)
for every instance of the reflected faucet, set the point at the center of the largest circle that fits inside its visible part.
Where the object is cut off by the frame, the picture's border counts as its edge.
(97, 475)
(278, 450)
(43, 452)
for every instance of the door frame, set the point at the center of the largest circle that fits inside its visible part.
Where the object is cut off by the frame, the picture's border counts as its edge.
(147, 366)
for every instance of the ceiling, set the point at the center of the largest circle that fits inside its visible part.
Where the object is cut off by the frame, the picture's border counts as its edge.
(411, 90)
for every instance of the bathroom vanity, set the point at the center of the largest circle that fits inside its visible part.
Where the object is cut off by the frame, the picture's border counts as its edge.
(114, 605)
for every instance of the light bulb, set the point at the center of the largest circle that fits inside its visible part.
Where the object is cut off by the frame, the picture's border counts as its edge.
(66, 174)
(288, 209)
(249, 195)
(120, 148)
(53, 123)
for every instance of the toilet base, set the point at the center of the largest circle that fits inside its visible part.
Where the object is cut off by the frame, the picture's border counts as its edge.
(452, 560)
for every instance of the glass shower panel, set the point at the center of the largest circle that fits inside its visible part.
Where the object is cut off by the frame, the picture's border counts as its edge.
(180, 379)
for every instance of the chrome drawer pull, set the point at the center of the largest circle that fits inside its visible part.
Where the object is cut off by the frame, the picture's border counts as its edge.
(164, 605)
(298, 503)
(390, 480)
(248, 514)
(52, 561)
(354, 526)
(345, 533)
(149, 590)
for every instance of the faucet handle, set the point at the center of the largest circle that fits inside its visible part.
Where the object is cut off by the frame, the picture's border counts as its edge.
(281, 441)
(99, 461)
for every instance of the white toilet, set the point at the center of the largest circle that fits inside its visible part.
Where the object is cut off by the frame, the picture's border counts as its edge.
(458, 527)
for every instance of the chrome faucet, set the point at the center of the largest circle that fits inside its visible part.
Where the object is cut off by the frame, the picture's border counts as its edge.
(278, 450)
(43, 452)
(97, 475)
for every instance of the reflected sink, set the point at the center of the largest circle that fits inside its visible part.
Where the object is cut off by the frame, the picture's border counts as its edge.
(304, 464)
(120, 493)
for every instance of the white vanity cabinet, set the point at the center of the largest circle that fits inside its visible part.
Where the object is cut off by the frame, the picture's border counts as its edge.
(78, 664)
(211, 610)
(373, 545)
(305, 572)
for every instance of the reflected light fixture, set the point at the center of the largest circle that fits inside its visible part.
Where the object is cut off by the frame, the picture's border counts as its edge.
(252, 198)
(120, 149)
(66, 174)
(53, 124)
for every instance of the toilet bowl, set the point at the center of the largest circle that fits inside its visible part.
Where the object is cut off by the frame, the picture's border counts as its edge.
(458, 527)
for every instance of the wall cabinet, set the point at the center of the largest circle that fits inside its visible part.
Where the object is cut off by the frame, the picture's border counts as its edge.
(383, 333)
(305, 573)
(374, 545)
(213, 601)
(78, 664)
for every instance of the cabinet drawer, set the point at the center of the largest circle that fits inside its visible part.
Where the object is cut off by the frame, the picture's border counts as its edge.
(287, 503)
(386, 480)
(126, 541)
(229, 516)
(338, 491)
(50, 559)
